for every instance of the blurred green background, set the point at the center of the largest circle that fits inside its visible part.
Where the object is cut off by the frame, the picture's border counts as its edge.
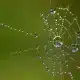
(24, 14)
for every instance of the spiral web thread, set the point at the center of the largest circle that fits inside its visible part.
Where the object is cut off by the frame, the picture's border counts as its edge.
(59, 54)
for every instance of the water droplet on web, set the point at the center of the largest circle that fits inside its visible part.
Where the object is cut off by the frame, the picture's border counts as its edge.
(57, 42)
(74, 48)
(36, 35)
(78, 35)
(52, 11)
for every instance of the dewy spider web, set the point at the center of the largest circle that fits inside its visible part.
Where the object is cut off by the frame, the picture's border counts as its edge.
(60, 24)
(59, 54)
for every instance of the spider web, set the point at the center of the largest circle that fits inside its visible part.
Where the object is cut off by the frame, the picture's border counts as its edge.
(61, 23)
(60, 52)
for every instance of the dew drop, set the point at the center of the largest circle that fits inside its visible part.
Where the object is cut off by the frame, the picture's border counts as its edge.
(35, 35)
(78, 35)
(57, 42)
(52, 11)
(74, 48)
(41, 14)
